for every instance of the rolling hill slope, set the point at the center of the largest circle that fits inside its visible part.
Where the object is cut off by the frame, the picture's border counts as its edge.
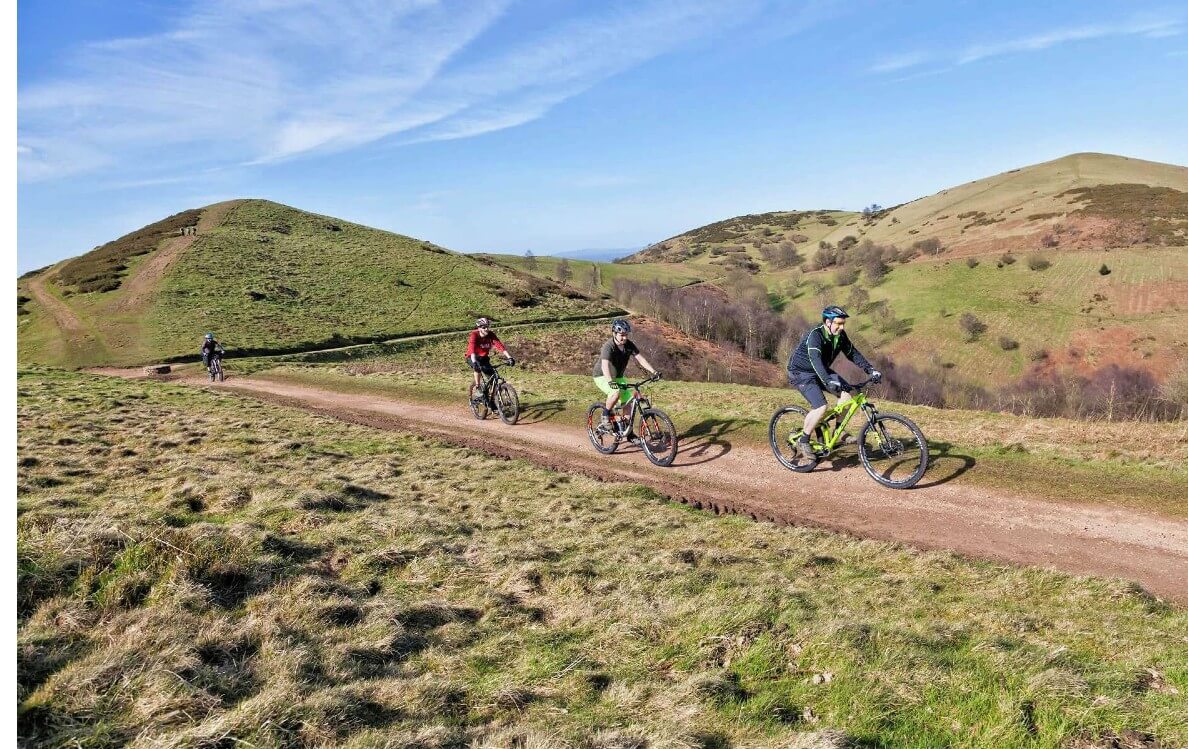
(1071, 265)
(266, 277)
(1081, 201)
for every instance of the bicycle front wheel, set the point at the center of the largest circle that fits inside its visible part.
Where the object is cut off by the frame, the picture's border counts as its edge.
(893, 451)
(507, 403)
(781, 435)
(602, 435)
(478, 404)
(658, 437)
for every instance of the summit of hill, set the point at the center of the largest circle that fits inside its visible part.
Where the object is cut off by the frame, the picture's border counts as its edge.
(265, 278)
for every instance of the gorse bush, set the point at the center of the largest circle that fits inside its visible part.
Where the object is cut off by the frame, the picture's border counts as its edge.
(1038, 262)
(845, 276)
(1007, 344)
(971, 326)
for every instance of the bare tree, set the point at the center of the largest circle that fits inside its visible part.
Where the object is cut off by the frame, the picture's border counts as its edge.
(530, 260)
(564, 272)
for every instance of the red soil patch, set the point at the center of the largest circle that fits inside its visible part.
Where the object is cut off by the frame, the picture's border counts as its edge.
(1147, 297)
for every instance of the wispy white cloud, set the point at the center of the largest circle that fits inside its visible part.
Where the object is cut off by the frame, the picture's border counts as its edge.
(1151, 28)
(899, 62)
(1148, 28)
(261, 81)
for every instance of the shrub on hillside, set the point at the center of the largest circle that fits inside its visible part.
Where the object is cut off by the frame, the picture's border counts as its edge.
(972, 262)
(845, 276)
(1049, 240)
(1038, 355)
(1007, 259)
(825, 257)
(1038, 262)
(971, 326)
(930, 246)
(1104, 269)
(1007, 344)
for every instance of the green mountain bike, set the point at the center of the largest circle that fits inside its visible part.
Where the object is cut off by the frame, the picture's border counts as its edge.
(496, 394)
(892, 448)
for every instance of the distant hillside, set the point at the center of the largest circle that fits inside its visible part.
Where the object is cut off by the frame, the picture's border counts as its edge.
(266, 277)
(1082, 201)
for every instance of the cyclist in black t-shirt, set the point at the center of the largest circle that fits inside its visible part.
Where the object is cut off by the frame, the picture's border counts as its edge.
(612, 363)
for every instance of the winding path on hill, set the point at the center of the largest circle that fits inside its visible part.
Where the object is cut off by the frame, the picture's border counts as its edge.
(711, 473)
(138, 288)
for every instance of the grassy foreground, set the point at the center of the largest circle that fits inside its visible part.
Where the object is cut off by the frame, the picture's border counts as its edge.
(196, 569)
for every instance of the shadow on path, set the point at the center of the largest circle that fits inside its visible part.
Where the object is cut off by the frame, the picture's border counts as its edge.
(944, 465)
(536, 412)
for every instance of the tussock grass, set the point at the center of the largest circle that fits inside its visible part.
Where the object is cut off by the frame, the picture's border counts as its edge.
(181, 593)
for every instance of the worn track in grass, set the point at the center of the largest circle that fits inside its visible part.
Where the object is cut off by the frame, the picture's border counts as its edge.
(711, 473)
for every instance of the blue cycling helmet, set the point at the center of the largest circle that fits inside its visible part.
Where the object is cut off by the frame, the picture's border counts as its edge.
(620, 326)
(210, 336)
(833, 312)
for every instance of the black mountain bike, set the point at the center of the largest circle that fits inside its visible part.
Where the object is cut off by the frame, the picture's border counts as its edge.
(655, 435)
(496, 394)
(216, 368)
(892, 448)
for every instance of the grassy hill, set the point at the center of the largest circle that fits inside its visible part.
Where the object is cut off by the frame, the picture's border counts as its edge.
(1070, 265)
(266, 277)
(1081, 201)
(253, 575)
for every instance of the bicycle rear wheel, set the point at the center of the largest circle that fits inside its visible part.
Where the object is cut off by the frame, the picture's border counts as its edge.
(507, 403)
(784, 426)
(893, 451)
(602, 436)
(657, 437)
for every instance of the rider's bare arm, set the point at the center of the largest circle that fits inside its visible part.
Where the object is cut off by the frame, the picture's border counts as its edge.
(642, 362)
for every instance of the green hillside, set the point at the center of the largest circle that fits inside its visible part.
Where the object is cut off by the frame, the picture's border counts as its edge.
(1070, 265)
(266, 277)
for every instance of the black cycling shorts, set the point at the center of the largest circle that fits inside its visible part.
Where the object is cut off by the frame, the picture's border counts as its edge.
(482, 365)
(813, 390)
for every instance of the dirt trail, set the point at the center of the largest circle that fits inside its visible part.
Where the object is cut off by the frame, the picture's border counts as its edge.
(711, 473)
(63, 316)
(140, 286)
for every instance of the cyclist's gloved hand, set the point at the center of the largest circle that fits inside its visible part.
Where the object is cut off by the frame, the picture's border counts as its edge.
(511, 361)
(833, 385)
(658, 376)
(876, 376)
(474, 365)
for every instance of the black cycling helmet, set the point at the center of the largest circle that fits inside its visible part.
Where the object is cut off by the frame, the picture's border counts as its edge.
(210, 336)
(620, 326)
(832, 312)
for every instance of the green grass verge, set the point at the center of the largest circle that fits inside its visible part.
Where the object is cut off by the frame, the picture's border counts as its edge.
(197, 568)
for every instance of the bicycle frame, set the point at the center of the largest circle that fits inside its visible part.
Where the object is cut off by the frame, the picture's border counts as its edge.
(846, 412)
(490, 382)
(637, 404)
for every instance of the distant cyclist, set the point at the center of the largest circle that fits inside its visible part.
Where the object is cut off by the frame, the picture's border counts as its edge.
(478, 351)
(612, 363)
(809, 368)
(211, 348)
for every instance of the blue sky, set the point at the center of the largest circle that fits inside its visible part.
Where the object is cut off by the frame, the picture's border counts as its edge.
(508, 125)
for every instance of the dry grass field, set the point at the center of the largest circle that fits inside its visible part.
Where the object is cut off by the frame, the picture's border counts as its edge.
(197, 569)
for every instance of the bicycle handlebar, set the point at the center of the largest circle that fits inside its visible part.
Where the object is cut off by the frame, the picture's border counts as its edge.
(636, 385)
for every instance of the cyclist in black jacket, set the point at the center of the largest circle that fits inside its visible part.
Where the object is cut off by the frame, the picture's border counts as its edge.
(210, 348)
(809, 368)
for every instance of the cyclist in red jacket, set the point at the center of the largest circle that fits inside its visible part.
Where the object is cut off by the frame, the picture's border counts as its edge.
(478, 351)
